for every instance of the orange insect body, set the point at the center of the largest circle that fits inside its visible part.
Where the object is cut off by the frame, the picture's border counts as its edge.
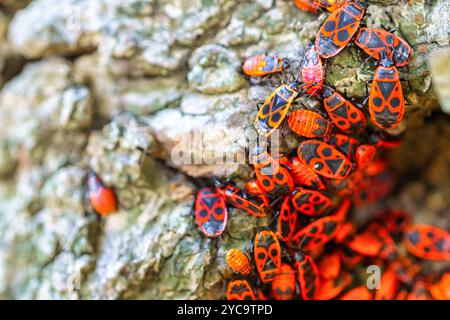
(235, 197)
(240, 290)
(262, 64)
(267, 252)
(345, 116)
(427, 242)
(339, 28)
(253, 188)
(365, 243)
(309, 124)
(324, 159)
(313, 75)
(275, 108)
(374, 41)
(388, 248)
(271, 176)
(358, 293)
(364, 155)
(238, 261)
(307, 5)
(210, 212)
(283, 285)
(304, 176)
(308, 277)
(314, 6)
(287, 220)
(386, 101)
(102, 199)
(441, 289)
(315, 234)
(310, 202)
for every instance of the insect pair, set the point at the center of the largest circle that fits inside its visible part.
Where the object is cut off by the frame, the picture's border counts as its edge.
(281, 276)
(386, 100)
(213, 206)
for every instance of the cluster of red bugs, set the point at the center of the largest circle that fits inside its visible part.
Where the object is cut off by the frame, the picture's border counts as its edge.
(312, 248)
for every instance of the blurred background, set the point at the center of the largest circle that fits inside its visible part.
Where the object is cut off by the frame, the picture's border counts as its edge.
(115, 85)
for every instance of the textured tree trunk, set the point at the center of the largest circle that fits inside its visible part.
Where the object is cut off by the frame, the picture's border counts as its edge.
(117, 85)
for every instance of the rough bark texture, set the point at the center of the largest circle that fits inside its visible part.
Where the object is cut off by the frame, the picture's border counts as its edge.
(96, 82)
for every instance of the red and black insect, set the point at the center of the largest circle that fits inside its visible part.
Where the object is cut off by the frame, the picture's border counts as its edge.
(365, 243)
(287, 220)
(345, 116)
(344, 143)
(324, 159)
(321, 231)
(237, 199)
(304, 176)
(253, 188)
(315, 234)
(273, 178)
(364, 155)
(396, 222)
(267, 251)
(388, 249)
(309, 124)
(102, 198)
(339, 28)
(308, 5)
(273, 111)
(308, 276)
(284, 283)
(374, 41)
(240, 290)
(313, 74)
(263, 64)
(238, 261)
(310, 202)
(211, 212)
(315, 6)
(427, 242)
(386, 100)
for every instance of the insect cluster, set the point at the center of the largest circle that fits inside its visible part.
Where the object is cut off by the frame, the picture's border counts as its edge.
(313, 248)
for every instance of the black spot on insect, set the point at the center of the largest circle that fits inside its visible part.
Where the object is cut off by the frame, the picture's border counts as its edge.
(377, 101)
(329, 227)
(275, 117)
(414, 237)
(342, 35)
(326, 152)
(330, 26)
(395, 102)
